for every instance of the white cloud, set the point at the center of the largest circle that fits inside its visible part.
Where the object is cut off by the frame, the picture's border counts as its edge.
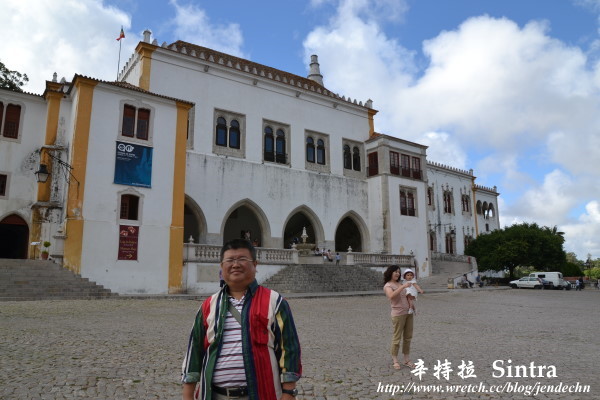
(443, 149)
(78, 36)
(43, 37)
(194, 26)
(584, 236)
(524, 99)
(357, 58)
(548, 204)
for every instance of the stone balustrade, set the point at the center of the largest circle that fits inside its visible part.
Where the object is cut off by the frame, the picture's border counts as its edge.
(206, 253)
(379, 259)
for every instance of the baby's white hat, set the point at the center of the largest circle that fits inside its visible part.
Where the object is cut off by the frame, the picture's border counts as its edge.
(407, 271)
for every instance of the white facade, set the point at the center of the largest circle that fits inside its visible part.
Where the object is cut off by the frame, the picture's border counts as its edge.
(455, 208)
(266, 151)
(79, 209)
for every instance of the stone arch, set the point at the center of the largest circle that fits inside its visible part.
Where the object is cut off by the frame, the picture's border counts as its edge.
(350, 225)
(491, 211)
(479, 207)
(14, 232)
(484, 209)
(292, 226)
(194, 221)
(246, 215)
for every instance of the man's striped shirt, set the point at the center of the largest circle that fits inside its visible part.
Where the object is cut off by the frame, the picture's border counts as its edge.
(229, 370)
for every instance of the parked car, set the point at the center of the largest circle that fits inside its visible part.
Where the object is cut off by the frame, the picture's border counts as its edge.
(555, 277)
(529, 282)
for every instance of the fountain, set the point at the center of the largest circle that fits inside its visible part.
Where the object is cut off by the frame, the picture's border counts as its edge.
(304, 249)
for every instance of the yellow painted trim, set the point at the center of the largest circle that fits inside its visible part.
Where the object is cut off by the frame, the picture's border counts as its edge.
(79, 158)
(145, 51)
(52, 116)
(176, 233)
(35, 234)
(371, 121)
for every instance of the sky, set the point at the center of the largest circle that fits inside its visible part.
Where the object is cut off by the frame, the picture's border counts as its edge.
(508, 88)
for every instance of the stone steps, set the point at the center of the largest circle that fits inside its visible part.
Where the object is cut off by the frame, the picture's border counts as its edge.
(442, 271)
(44, 280)
(314, 278)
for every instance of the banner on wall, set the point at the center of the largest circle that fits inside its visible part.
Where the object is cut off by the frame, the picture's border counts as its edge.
(128, 242)
(133, 165)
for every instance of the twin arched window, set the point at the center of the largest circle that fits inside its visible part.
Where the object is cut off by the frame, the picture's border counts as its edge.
(351, 158)
(448, 205)
(275, 146)
(318, 151)
(228, 136)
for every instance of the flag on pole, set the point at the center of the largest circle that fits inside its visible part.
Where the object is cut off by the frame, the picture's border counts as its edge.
(121, 35)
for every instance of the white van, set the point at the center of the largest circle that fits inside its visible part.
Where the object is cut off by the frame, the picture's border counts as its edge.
(556, 278)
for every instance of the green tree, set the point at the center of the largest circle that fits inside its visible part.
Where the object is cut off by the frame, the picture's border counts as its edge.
(571, 269)
(519, 245)
(12, 80)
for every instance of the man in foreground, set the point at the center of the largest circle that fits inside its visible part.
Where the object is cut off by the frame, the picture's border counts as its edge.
(244, 343)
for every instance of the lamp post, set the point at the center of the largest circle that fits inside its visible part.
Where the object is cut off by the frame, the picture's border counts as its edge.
(588, 264)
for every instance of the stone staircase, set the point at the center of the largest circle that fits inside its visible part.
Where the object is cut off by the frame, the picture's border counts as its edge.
(441, 271)
(44, 280)
(315, 278)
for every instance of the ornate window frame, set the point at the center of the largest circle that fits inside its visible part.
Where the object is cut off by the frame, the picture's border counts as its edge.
(277, 128)
(316, 166)
(352, 172)
(228, 151)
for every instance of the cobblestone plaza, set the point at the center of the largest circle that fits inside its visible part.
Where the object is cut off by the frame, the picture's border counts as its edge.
(132, 349)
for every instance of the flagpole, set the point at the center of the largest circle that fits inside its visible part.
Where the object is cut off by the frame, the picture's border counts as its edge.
(119, 63)
(121, 36)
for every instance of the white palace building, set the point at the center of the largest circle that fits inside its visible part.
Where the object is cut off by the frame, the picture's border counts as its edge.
(137, 183)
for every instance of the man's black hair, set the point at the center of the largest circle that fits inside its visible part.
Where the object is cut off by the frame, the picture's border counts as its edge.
(236, 244)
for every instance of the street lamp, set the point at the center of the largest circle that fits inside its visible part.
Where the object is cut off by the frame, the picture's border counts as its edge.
(42, 174)
(588, 264)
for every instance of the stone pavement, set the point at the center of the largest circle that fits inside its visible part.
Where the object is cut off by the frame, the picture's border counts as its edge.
(132, 349)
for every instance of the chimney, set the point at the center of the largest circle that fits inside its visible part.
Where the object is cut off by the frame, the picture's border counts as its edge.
(315, 72)
(147, 34)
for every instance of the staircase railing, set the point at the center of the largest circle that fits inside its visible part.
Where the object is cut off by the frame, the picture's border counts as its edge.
(450, 257)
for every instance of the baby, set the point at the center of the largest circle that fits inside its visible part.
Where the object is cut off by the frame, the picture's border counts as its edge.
(412, 291)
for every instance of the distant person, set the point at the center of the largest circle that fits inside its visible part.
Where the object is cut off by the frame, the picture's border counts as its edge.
(337, 258)
(467, 281)
(402, 321)
(478, 281)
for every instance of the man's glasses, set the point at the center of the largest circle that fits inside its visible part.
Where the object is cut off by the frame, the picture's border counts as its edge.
(241, 261)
